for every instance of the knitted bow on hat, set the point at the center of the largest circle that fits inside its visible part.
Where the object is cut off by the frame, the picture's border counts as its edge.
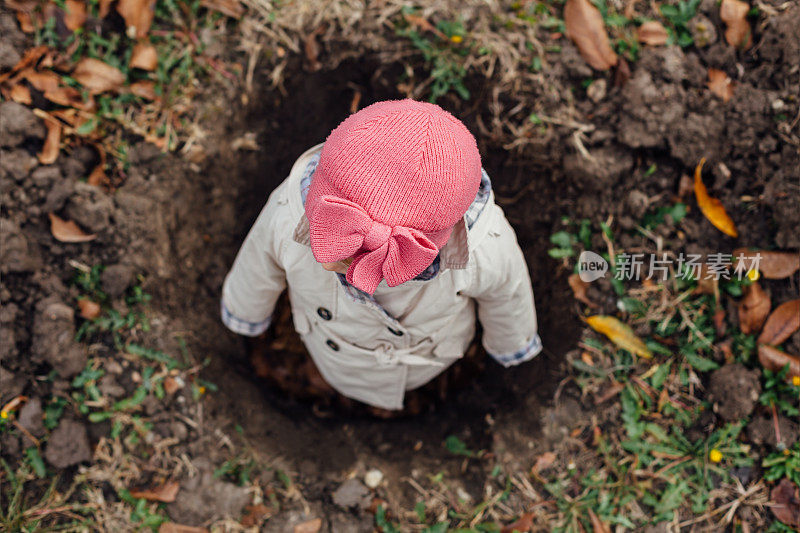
(340, 229)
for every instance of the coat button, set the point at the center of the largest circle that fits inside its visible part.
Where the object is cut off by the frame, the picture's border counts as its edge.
(324, 313)
(395, 331)
(332, 345)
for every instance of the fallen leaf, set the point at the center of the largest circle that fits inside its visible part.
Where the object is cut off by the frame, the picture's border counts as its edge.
(52, 142)
(104, 7)
(622, 73)
(781, 324)
(620, 334)
(162, 493)
(31, 56)
(43, 81)
(720, 84)
(753, 308)
(598, 526)
(144, 89)
(543, 462)
(98, 175)
(89, 309)
(97, 76)
(172, 385)
(771, 265)
(255, 514)
(685, 185)
(719, 321)
(138, 15)
(712, 208)
(144, 56)
(522, 525)
(652, 32)
(423, 24)
(726, 347)
(74, 14)
(68, 231)
(734, 14)
(585, 27)
(579, 288)
(773, 359)
(25, 22)
(232, 8)
(172, 527)
(311, 48)
(311, 526)
(20, 94)
(785, 502)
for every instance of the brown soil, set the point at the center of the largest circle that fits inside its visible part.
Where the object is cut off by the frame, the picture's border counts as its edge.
(177, 222)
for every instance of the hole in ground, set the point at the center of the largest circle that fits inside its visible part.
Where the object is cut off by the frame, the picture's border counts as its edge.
(278, 426)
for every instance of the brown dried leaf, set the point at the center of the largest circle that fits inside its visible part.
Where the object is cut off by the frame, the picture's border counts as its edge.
(98, 175)
(20, 94)
(25, 22)
(138, 15)
(712, 208)
(172, 385)
(720, 84)
(104, 8)
(97, 76)
(162, 493)
(172, 527)
(781, 324)
(232, 8)
(734, 14)
(42, 81)
(255, 514)
(522, 525)
(771, 265)
(422, 24)
(579, 288)
(89, 309)
(598, 526)
(52, 142)
(144, 56)
(614, 389)
(310, 526)
(144, 89)
(586, 29)
(753, 308)
(785, 502)
(652, 32)
(66, 96)
(67, 230)
(30, 57)
(773, 359)
(311, 48)
(543, 462)
(719, 321)
(74, 14)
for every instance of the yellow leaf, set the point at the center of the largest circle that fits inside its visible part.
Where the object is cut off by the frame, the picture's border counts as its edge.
(619, 334)
(711, 207)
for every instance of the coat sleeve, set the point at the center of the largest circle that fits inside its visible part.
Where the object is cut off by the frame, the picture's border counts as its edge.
(502, 289)
(256, 279)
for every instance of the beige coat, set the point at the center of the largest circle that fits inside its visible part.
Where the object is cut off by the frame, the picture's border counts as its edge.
(360, 350)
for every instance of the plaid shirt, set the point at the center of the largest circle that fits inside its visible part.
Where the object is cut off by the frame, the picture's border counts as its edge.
(471, 216)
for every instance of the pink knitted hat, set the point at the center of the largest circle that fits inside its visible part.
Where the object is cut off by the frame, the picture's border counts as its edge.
(392, 181)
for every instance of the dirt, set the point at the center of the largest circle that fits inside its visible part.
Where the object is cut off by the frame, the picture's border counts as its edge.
(175, 224)
(734, 389)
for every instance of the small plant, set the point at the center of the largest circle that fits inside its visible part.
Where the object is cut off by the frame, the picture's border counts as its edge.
(678, 17)
(443, 54)
(780, 392)
(783, 464)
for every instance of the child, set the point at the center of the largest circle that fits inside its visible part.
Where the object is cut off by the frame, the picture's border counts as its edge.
(387, 236)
